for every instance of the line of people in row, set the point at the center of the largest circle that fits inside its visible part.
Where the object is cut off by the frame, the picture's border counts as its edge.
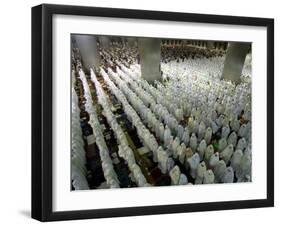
(241, 130)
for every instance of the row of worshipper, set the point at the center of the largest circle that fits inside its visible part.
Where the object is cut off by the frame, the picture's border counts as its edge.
(124, 150)
(126, 54)
(218, 119)
(243, 170)
(194, 160)
(184, 52)
(203, 69)
(216, 102)
(230, 132)
(211, 68)
(106, 161)
(160, 156)
(231, 138)
(122, 67)
(185, 108)
(191, 162)
(160, 111)
(78, 158)
(196, 79)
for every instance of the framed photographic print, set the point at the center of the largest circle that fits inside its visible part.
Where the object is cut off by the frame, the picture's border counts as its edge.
(146, 112)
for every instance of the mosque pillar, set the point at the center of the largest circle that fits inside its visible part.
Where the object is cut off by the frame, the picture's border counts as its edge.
(131, 41)
(87, 45)
(150, 57)
(104, 41)
(234, 61)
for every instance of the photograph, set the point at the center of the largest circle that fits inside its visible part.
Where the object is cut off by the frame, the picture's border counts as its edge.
(152, 111)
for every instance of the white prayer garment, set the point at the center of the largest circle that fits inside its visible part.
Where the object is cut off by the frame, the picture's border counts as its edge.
(247, 115)
(235, 125)
(191, 125)
(208, 135)
(232, 139)
(183, 179)
(179, 114)
(167, 136)
(236, 159)
(201, 169)
(193, 142)
(227, 153)
(228, 176)
(155, 154)
(175, 144)
(181, 152)
(196, 126)
(244, 171)
(188, 154)
(175, 175)
(163, 161)
(242, 144)
(215, 127)
(222, 144)
(225, 131)
(209, 177)
(180, 131)
(185, 136)
(201, 130)
(242, 130)
(170, 164)
(202, 148)
(193, 164)
(219, 171)
(161, 132)
(214, 160)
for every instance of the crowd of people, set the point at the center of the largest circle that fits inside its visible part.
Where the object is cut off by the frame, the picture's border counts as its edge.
(196, 125)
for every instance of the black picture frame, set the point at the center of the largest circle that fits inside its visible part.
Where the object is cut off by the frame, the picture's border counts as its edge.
(42, 111)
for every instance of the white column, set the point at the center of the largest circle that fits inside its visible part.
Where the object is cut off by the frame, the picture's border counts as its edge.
(234, 61)
(150, 56)
(87, 44)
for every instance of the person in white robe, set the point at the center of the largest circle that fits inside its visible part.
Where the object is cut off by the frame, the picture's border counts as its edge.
(185, 136)
(225, 131)
(222, 144)
(193, 164)
(232, 139)
(208, 135)
(236, 159)
(175, 175)
(193, 142)
(228, 176)
(183, 179)
(167, 136)
(201, 169)
(219, 171)
(242, 144)
(175, 144)
(208, 153)
(209, 177)
(214, 160)
(201, 149)
(227, 153)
